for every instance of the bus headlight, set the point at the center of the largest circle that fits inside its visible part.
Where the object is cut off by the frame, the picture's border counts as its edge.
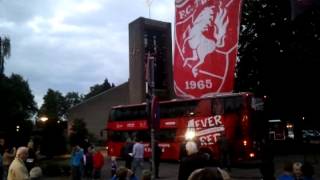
(252, 155)
(245, 142)
(190, 135)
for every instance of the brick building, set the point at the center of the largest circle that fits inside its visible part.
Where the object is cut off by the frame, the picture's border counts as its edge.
(147, 38)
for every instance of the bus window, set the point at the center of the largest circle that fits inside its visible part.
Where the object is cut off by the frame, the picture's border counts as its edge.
(118, 136)
(128, 113)
(217, 106)
(166, 135)
(143, 135)
(177, 109)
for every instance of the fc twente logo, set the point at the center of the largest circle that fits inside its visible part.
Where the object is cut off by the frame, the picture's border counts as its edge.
(200, 44)
(206, 39)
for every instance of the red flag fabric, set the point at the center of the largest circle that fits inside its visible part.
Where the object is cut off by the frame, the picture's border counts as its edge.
(206, 41)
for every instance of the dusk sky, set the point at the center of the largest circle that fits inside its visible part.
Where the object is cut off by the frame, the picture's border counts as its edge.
(70, 45)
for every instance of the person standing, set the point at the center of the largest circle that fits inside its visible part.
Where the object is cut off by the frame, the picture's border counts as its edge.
(76, 163)
(7, 158)
(89, 163)
(2, 141)
(194, 160)
(138, 155)
(17, 169)
(267, 156)
(98, 162)
(114, 166)
(224, 151)
(158, 153)
(32, 158)
(127, 154)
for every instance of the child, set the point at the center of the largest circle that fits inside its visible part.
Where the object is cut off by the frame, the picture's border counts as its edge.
(113, 166)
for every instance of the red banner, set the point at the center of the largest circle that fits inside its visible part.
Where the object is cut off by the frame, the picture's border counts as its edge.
(206, 42)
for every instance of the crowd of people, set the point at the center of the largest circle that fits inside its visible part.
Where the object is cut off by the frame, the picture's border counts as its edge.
(87, 162)
(297, 171)
(19, 163)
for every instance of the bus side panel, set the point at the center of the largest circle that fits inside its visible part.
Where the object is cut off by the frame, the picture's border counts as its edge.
(170, 151)
(115, 148)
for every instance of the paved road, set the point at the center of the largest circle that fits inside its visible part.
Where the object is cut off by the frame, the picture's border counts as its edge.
(169, 171)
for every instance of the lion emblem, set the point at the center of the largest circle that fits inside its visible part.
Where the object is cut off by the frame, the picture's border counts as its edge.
(201, 45)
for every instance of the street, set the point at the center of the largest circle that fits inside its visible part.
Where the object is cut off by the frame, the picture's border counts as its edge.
(169, 170)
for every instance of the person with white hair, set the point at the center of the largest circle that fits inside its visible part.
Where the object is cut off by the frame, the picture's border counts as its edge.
(194, 160)
(213, 173)
(17, 169)
(36, 173)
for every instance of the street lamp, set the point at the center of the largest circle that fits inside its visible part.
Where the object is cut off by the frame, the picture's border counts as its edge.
(43, 118)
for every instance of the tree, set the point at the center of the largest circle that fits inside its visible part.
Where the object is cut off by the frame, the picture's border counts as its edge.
(17, 108)
(53, 130)
(99, 88)
(5, 49)
(72, 99)
(54, 106)
(278, 56)
(78, 132)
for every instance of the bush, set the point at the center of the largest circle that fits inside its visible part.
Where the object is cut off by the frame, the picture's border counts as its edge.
(55, 167)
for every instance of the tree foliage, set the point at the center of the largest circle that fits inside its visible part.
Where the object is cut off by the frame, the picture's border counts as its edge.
(72, 99)
(78, 132)
(99, 88)
(54, 106)
(278, 55)
(17, 107)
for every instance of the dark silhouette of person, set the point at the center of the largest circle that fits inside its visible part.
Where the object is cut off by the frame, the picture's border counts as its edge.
(267, 155)
(194, 160)
(88, 167)
(127, 154)
(307, 171)
(287, 172)
(212, 173)
(32, 157)
(224, 148)
(183, 151)
(158, 153)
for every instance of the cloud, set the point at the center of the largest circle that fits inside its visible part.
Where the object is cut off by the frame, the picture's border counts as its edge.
(72, 45)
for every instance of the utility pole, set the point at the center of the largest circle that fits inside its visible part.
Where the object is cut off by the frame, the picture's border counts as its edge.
(151, 99)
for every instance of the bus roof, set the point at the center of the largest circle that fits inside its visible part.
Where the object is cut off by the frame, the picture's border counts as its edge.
(189, 99)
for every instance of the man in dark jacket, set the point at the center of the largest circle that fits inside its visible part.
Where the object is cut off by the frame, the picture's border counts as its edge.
(194, 160)
(127, 154)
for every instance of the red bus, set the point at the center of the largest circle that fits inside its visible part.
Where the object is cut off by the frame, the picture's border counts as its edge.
(201, 119)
